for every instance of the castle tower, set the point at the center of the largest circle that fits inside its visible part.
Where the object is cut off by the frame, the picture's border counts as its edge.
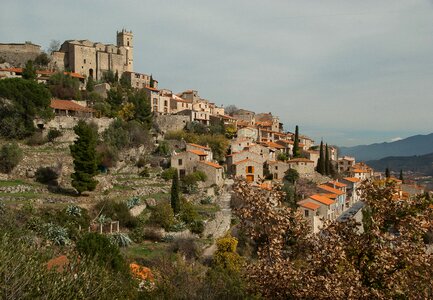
(124, 39)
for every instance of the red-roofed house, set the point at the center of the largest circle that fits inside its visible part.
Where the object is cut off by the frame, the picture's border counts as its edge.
(69, 108)
(248, 169)
(302, 165)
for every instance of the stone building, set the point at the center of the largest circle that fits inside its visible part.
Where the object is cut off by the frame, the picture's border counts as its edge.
(278, 169)
(92, 59)
(248, 169)
(302, 165)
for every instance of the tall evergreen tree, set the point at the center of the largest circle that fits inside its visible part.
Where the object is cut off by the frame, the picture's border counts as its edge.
(29, 71)
(83, 152)
(327, 161)
(401, 176)
(296, 151)
(387, 173)
(321, 162)
(151, 81)
(175, 197)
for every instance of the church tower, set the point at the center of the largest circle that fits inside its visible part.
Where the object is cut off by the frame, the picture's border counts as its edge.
(124, 39)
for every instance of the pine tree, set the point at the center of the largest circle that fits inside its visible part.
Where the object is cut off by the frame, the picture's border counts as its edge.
(83, 152)
(116, 77)
(321, 162)
(327, 161)
(174, 199)
(387, 173)
(401, 176)
(29, 71)
(296, 152)
(151, 81)
(90, 85)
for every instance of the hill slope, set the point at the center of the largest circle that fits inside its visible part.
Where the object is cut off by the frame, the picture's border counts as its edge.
(414, 145)
(422, 164)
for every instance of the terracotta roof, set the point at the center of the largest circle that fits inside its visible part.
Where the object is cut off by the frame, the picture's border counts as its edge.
(331, 189)
(216, 166)
(322, 199)
(310, 205)
(360, 171)
(301, 159)
(151, 89)
(199, 146)
(51, 72)
(16, 70)
(273, 145)
(245, 160)
(69, 105)
(286, 141)
(330, 196)
(336, 183)
(352, 179)
(198, 152)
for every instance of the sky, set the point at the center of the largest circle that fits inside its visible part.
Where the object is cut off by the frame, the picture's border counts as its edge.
(349, 72)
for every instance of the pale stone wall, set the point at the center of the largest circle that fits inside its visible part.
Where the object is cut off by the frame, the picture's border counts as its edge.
(239, 144)
(214, 175)
(248, 132)
(278, 169)
(302, 167)
(167, 123)
(18, 54)
(241, 170)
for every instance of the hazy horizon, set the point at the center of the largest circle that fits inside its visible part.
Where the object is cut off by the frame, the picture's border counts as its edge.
(349, 72)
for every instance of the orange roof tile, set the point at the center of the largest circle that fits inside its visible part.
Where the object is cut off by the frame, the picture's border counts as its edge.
(198, 152)
(339, 184)
(69, 105)
(245, 160)
(216, 166)
(310, 205)
(331, 189)
(273, 145)
(322, 199)
(301, 159)
(330, 196)
(16, 70)
(352, 179)
(359, 171)
(199, 146)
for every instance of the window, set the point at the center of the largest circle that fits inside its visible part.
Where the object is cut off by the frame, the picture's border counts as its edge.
(155, 101)
(250, 169)
(179, 162)
(165, 103)
(276, 167)
(306, 213)
(84, 60)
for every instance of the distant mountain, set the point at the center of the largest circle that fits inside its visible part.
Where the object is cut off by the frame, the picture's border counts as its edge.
(418, 163)
(414, 145)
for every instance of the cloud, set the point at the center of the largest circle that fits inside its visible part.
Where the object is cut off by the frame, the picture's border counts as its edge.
(396, 139)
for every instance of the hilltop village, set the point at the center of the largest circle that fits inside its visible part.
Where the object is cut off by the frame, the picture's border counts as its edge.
(155, 147)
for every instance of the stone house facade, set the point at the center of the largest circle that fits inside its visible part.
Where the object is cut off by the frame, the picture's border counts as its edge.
(234, 158)
(248, 169)
(302, 165)
(278, 169)
(214, 172)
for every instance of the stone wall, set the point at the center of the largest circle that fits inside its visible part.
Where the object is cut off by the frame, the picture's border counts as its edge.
(18, 54)
(167, 123)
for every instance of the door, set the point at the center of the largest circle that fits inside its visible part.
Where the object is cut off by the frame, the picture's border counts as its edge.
(250, 178)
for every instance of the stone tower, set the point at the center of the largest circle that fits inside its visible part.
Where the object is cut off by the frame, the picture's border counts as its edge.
(124, 39)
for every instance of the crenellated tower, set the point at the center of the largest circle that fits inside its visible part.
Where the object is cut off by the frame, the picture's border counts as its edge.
(125, 39)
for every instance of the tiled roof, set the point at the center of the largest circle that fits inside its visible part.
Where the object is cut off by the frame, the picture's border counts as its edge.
(322, 199)
(216, 166)
(16, 70)
(331, 189)
(273, 145)
(360, 171)
(310, 205)
(301, 159)
(69, 105)
(43, 72)
(352, 179)
(199, 146)
(330, 196)
(336, 183)
(198, 152)
(245, 160)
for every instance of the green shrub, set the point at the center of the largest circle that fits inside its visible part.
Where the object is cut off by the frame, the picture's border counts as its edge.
(53, 134)
(162, 215)
(188, 212)
(132, 202)
(46, 175)
(10, 156)
(99, 247)
(57, 234)
(168, 174)
(163, 149)
(197, 226)
(117, 211)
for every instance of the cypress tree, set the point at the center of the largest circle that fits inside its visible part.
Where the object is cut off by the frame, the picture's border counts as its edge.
(327, 161)
(387, 173)
(83, 152)
(321, 162)
(401, 175)
(151, 81)
(174, 199)
(296, 152)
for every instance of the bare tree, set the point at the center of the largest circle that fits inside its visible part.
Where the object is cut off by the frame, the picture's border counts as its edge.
(54, 46)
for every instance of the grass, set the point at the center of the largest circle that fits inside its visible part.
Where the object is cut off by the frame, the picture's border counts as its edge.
(158, 196)
(26, 195)
(12, 183)
(147, 250)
